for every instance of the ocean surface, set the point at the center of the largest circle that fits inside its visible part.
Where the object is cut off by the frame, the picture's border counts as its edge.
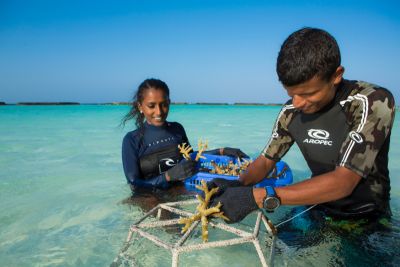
(64, 200)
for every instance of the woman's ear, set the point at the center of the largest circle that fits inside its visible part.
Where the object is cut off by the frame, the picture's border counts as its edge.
(140, 108)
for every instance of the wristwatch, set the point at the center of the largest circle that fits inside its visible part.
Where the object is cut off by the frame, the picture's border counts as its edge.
(271, 201)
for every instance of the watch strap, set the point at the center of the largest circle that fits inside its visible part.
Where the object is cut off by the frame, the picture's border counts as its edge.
(270, 191)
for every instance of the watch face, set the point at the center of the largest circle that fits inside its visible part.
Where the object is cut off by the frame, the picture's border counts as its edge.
(271, 203)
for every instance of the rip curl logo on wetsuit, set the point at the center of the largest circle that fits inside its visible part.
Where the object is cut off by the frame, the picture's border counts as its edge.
(318, 137)
(165, 164)
(169, 162)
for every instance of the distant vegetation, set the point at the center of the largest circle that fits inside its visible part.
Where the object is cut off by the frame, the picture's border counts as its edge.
(47, 103)
(128, 103)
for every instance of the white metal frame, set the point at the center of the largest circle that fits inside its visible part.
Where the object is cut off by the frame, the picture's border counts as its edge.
(180, 247)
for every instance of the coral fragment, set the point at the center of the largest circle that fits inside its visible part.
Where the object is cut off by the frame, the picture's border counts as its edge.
(203, 211)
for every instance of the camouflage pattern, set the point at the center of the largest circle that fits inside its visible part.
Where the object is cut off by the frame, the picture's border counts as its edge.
(370, 114)
(369, 110)
(280, 140)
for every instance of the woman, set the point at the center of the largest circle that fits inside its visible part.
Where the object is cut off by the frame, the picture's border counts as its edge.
(150, 154)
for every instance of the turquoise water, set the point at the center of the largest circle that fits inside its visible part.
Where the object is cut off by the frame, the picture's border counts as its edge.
(64, 200)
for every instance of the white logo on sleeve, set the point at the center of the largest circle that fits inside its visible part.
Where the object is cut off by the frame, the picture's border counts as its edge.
(356, 137)
(318, 137)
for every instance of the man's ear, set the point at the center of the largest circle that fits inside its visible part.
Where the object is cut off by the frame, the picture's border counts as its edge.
(338, 75)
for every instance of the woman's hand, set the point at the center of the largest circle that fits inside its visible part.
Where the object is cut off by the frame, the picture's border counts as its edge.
(181, 171)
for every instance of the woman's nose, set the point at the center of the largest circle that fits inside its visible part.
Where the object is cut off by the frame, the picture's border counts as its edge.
(158, 110)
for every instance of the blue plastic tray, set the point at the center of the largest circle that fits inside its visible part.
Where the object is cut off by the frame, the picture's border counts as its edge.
(285, 178)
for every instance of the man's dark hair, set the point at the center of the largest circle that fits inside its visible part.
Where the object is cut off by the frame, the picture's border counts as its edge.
(306, 53)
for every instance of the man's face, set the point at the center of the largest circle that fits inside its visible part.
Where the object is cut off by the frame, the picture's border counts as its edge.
(311, 96)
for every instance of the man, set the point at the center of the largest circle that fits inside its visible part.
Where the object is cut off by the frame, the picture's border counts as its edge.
(342, 128)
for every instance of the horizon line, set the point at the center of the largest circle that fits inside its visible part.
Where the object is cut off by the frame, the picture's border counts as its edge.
(55, 103)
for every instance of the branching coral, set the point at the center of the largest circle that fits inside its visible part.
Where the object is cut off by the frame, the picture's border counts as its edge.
(185, 150)
(203, 211)
(230, 168)
(202, 147)
(216, 169)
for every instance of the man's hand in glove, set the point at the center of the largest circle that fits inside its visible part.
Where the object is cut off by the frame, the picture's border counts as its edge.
(233, 152)
(181, 171)
(223, 184)
(237, 202)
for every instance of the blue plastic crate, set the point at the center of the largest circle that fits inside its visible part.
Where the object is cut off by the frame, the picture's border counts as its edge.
(285, 178)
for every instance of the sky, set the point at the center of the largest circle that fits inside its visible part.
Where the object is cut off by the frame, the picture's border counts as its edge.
(206, 50)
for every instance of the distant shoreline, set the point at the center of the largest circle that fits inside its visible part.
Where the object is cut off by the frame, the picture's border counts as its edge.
(128, 103)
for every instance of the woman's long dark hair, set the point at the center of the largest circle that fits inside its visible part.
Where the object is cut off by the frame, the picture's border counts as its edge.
(134, 112)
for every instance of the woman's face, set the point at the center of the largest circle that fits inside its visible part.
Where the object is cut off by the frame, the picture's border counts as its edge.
(155, 106)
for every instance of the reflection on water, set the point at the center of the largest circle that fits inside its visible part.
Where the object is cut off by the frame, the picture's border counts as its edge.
(147, 199)
(316, 239)
(311, 239)
(64, 200)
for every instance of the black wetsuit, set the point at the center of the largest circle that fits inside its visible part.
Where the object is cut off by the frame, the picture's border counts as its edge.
(148, 152)
(352, 131)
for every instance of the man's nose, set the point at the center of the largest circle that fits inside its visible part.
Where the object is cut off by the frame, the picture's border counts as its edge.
(298, 101)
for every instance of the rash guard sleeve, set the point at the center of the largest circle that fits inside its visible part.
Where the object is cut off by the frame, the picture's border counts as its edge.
(184, 137)
(280, 140)
(371, 115)
(130, 162)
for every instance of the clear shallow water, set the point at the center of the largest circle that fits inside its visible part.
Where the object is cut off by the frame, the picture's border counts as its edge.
(64, 200)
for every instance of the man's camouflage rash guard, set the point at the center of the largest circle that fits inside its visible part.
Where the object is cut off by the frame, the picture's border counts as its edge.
(352, 131)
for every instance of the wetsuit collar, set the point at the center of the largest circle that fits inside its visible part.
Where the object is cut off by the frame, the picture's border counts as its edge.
(150, 126)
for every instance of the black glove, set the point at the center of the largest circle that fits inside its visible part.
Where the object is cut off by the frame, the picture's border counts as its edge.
(236, 202)
(182, 170)
(223, 184)
(234, 152)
